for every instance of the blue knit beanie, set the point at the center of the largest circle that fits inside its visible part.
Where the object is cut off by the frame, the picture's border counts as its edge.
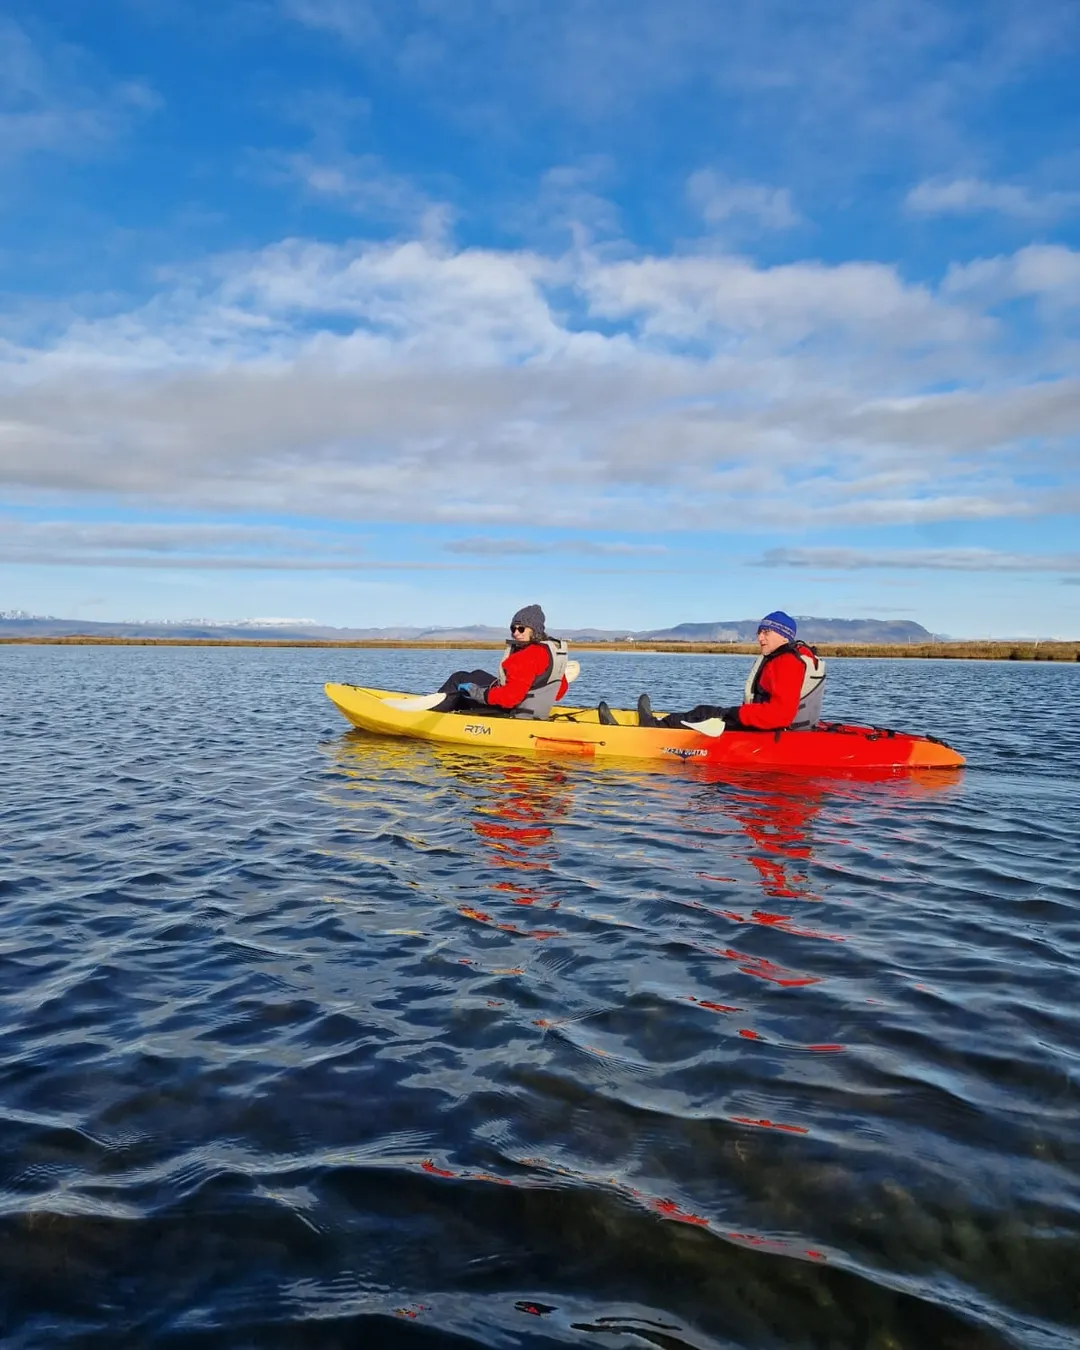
(779, 622)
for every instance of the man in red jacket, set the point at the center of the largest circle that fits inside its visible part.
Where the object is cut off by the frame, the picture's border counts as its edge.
(784, 689)
(528, 666)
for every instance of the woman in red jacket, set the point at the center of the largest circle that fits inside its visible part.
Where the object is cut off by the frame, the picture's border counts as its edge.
(784, 688)
(532, 674)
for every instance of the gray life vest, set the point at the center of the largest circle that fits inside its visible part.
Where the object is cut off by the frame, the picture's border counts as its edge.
(813, 685)
(540, 699)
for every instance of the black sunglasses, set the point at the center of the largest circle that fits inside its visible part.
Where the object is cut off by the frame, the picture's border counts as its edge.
(518, 627)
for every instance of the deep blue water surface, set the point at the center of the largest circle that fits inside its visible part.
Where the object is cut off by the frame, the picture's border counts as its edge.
(310, 1039)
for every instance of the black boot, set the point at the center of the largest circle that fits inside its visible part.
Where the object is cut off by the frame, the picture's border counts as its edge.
(645, 716)
(604, 715)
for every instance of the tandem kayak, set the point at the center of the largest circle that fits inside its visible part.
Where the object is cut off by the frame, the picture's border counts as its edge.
(577, 731)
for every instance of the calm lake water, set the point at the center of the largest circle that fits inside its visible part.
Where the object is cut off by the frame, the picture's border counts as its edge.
(311, 1039)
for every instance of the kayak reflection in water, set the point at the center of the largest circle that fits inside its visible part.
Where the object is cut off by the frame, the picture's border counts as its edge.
(532, 674)
(777, 823)
(515, 825)
(784, 688)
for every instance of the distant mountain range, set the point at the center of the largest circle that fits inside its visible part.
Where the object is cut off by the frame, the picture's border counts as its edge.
(16, 623)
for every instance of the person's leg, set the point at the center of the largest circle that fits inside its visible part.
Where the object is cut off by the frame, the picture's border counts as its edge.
(701, 713)
(481, 677)
(646, 717)
(455, 700)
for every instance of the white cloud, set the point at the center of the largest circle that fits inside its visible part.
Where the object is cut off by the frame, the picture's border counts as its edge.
(54, 99)
(235, 546)
(911, 80)
(363, 185)
(418, 381)
(1049, 273)
(929, 559)
(184, 544)
(356, 21)
(493, 546)
(569, 206)
(696, 295)
(722, 201)
(975, 196)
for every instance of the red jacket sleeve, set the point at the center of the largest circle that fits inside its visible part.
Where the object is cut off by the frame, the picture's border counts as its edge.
(782, 683)
(522, 668)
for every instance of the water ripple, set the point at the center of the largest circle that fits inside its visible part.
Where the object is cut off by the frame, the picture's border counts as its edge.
(312, 1038)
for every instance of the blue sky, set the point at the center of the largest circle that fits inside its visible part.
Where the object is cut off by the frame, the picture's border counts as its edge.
(379, 311)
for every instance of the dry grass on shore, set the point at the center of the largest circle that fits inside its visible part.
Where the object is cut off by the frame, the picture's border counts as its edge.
(962, 651)
(955, 651)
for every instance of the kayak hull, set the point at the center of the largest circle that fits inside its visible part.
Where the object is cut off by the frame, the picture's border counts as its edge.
(577, 731)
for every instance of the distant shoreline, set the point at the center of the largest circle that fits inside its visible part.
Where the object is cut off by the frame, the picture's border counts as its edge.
(958, 651)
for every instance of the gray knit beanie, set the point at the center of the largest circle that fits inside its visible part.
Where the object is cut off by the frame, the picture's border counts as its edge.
(532, 616)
